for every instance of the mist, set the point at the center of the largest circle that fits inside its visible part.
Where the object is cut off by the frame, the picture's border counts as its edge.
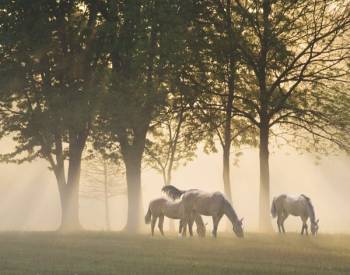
(29, 196)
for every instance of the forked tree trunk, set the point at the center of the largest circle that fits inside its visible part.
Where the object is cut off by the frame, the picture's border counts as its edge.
(264, 200)
(132, 156)
(69, 189)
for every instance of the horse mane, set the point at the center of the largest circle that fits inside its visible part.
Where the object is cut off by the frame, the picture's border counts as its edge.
(172, 192)
(283, 196)
(306, 197)
(310, 207)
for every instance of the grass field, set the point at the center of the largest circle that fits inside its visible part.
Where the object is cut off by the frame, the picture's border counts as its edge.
(117, 253)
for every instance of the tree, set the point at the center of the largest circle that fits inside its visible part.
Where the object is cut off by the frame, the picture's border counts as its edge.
(50, 75)
(288, 46)
(146, 46)
(219, 62)
(174, 141)
(103, 179)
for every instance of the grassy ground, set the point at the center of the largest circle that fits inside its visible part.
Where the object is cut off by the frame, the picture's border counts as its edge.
(117, 253)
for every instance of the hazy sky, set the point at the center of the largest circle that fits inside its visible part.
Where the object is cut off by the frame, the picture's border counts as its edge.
(29, 198)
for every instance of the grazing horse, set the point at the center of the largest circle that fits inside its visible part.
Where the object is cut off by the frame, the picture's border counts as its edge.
(207, 204)
(283, 206)
(161, 207)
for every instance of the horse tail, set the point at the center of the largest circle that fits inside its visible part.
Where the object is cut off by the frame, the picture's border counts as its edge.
(273, 208)
(172, 192)
(148, 216)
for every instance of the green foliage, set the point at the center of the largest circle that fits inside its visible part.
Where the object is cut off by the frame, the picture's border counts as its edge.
(147, 54)
(51, 72)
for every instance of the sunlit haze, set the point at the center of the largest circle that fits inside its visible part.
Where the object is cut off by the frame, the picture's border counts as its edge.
(29, 198)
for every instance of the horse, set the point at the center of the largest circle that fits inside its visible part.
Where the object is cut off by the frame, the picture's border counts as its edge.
(161, 207)
(283, 206)
(207, 204)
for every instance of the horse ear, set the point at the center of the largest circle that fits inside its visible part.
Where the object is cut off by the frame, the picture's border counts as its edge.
(317, 221)
(241, 220)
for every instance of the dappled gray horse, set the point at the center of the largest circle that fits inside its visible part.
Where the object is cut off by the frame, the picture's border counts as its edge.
(207, 204)
(161, 207)
(283, 206)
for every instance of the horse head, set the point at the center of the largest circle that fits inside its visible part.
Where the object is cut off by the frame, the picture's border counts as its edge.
(238, 228)
(314, 227)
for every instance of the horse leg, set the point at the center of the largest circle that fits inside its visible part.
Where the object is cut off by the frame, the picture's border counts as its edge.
(180, 226)
(190, 226)
(184, 229)
(184, 226)
(216, 220)
(160, 224)
(153, 223)
(279, 224)
(215, 226)
(304, 219)
(186, 220)
(306, 229)
(282, 224)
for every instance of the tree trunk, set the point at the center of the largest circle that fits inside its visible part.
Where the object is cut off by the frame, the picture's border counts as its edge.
(226, 178)
(226, 172)
(107, 220)
(69, 196)
(133, 178)
(167, 181)
(264, 202)
(132, 156)
(226, 146)
(229, 104)
(69, 191)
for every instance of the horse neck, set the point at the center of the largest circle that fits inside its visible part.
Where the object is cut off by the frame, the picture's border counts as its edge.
(230, 212)
(310, 211)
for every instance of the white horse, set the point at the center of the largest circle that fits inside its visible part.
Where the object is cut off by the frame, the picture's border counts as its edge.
(283, 206)
(207, 204)
(161, 207)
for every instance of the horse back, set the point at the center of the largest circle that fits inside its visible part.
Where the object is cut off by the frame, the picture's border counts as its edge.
(157, 205)
(294, 205)
(204, 203)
